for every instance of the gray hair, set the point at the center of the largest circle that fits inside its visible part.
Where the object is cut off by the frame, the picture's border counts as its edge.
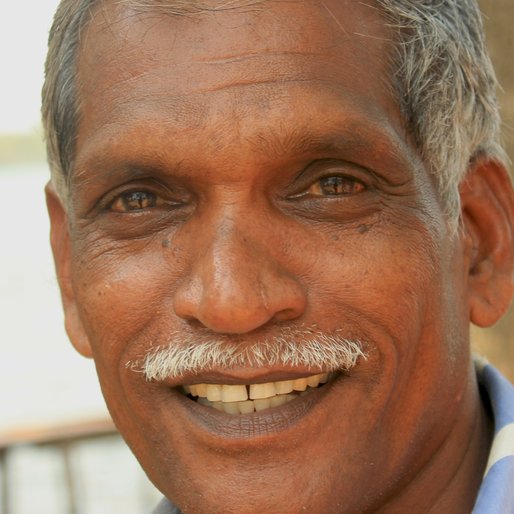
(446, 87)
(443, 79)
(182, 354)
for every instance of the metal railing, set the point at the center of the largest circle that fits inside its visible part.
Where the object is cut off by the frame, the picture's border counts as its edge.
(61, 437)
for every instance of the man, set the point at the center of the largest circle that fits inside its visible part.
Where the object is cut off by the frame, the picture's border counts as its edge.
(272, 223)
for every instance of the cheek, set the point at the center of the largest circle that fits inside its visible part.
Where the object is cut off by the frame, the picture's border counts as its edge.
(120, 293)
(378, 277)
(399, 292)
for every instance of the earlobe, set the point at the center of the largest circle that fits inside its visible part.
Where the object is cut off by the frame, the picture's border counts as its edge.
(487, 200)
(61, 248)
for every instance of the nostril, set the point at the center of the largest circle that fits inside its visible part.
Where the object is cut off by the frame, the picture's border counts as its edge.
(288, 314)
(234, 318)
(243, 311)
(234, 293)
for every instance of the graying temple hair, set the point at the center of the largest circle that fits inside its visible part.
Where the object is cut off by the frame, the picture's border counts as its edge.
(443, 79)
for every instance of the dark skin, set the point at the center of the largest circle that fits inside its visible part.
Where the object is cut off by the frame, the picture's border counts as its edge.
(236, 179)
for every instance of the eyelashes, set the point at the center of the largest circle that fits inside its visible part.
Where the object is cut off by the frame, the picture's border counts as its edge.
(133, 201)
(321, 179)
(336, 185)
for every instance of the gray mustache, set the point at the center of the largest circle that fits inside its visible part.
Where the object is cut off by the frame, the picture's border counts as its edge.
(194, 355)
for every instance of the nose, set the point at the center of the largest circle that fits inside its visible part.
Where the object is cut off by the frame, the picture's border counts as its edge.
(236, 286)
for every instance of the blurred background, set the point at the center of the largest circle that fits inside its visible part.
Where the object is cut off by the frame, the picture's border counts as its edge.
(58, 450)
(497, 343)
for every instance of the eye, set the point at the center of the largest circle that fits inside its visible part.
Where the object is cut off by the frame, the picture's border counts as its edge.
(336, 185)
(134, 201)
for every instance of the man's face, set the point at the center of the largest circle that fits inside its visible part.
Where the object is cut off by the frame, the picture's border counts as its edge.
(245, 176)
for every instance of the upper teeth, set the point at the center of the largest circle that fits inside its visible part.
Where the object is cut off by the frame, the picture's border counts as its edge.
(238, 393)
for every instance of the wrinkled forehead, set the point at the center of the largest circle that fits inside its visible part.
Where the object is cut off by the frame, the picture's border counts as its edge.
(207, 47)
(301, 24)
(261, 66)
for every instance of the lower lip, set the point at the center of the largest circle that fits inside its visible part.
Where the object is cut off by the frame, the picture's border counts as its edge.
(257, 425)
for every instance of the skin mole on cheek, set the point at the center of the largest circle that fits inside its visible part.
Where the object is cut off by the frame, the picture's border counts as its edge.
(363, 229)
(166, 243)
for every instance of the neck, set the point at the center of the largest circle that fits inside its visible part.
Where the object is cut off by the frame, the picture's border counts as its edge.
(451, 479)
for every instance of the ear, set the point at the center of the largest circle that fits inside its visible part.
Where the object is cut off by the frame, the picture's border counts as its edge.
(61, 248)
(487, 200)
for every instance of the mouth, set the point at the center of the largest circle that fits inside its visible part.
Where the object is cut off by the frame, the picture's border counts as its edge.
(241, 399)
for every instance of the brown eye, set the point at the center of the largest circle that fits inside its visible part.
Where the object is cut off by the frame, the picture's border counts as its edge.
(134, 201)
(336, 186)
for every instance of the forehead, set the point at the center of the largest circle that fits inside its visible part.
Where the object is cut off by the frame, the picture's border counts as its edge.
(269, 28)
(297, 59)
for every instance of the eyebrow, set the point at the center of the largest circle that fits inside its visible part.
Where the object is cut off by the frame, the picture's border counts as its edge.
(303, 142)
(382, 149)
(374, 145)
(99, 170)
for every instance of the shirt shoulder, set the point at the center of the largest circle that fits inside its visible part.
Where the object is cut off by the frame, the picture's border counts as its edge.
(165, 507)
(496, 494)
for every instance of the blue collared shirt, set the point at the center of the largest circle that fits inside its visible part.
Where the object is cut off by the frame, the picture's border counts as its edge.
(496, 494)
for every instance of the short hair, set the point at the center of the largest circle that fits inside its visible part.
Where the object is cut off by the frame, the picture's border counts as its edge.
(441, 74)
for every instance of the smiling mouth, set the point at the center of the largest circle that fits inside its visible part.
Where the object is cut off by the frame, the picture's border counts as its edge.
(249, 398)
